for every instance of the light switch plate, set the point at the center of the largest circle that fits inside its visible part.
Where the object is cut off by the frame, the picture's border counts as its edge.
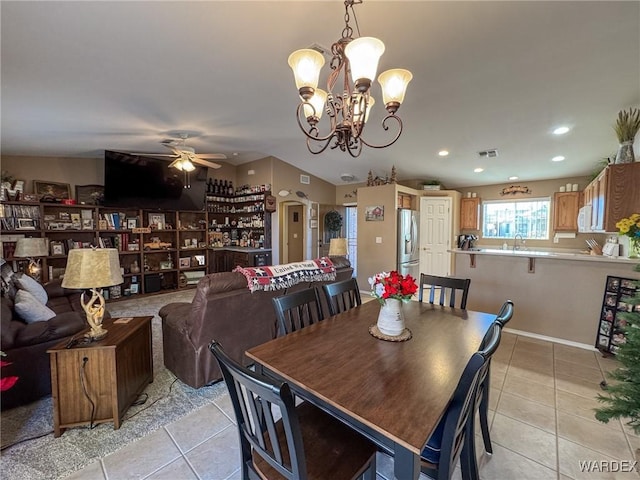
(378, 239)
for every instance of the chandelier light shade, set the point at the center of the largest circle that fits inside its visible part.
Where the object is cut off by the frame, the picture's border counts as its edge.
(356, 60)
(306, 65)
(93, 268)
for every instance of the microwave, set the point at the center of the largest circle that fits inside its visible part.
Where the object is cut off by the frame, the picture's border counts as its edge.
(584, 219)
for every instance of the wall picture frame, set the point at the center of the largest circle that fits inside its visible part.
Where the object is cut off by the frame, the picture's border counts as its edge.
(374, 213)
(90, 194)
(51, 191)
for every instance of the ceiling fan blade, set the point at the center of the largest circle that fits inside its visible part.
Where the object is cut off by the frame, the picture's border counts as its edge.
(152, 154)
(173, 149)
(204, 163)
(212, 156)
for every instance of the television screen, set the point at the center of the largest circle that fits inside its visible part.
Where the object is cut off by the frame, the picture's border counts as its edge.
(147, 182)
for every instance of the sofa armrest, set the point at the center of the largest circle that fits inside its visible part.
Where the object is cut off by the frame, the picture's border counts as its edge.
(54, 289)
(58, 327)
(176, 314)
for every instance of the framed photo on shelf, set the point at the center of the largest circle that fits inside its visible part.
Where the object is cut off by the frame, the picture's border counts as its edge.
(185, 262)
(89, 194)
(51, 191)
(166, 265)
(57, 248)
(132, 223)
(157, 219)
(199, 259)
(26, 224)
(87, 224)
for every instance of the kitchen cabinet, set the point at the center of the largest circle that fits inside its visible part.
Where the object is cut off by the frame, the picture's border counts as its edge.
(614, 195)
(470, 213)
(565, 211)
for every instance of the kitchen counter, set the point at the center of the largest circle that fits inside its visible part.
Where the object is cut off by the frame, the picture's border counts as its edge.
(557, 294)
(550, 254)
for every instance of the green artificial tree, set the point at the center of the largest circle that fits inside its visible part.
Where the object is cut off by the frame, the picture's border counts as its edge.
(623, 399)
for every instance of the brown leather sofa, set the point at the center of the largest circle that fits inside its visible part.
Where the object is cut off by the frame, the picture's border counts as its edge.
(26, 344)
(225, 310)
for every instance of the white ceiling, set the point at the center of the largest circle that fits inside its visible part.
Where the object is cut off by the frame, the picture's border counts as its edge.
(81, 77)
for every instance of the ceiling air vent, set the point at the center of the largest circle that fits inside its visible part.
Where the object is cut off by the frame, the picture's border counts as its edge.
(490, 153)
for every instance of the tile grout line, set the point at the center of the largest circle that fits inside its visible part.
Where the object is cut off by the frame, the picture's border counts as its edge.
(555, 412)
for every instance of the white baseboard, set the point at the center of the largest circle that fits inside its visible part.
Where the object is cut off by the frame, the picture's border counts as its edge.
(562, 341)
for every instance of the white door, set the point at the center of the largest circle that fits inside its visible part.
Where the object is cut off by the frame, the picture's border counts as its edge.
(435, 235)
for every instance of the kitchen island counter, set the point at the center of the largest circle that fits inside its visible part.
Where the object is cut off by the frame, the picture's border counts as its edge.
(557, 296)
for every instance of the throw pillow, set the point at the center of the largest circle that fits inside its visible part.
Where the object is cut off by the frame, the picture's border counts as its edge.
(25, 282)
(30, 309)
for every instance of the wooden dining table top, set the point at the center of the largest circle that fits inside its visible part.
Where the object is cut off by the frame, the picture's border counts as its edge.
(398, 389)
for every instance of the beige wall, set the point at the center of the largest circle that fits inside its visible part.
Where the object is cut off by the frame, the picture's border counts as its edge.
(543, 188)
(74, 171)
(561, 299)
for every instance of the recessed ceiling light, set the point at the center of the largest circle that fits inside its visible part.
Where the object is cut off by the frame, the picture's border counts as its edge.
(443, 153)
(561, 130)
(478, 170)
(513, 178)
(558, 158)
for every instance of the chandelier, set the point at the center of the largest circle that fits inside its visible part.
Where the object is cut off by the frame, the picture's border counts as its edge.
(349, 109)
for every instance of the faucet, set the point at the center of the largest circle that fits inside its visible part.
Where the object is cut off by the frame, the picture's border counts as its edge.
(516, 245)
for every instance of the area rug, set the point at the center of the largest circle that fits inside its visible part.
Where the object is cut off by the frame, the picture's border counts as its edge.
(29, 449)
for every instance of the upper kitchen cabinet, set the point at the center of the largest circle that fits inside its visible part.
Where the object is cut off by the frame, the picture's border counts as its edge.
(470, 213)
(614, 194)
(565, 211)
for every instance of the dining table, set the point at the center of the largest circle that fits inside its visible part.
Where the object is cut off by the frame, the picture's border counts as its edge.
(392, 392)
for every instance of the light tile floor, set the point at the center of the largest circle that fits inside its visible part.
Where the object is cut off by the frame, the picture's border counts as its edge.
(541, 415)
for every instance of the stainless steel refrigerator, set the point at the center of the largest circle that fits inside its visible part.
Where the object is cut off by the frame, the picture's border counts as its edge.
(409, 242)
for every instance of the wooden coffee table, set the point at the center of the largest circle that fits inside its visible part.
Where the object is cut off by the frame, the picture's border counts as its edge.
(97, 382)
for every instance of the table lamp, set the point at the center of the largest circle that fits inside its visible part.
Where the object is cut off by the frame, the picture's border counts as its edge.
(93, 268)
(338, 247)
(31, 248)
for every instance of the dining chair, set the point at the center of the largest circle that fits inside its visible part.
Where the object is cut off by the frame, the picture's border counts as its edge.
(297, 310)
(341, 296)
(453, 437)
(448, 286)
(503, 317)
(305, 442)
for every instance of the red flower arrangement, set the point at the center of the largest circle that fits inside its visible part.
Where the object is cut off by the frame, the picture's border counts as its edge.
(392, 285)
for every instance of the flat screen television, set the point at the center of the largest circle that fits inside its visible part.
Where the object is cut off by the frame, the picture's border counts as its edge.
(149, 183)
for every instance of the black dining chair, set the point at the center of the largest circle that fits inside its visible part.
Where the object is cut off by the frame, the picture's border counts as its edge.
(305, 443)
(297, 310)
(503, 317)
(341, 296)
(453, 438)
(447, 286)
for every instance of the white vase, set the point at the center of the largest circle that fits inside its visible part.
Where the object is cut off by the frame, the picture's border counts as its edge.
(391, 318)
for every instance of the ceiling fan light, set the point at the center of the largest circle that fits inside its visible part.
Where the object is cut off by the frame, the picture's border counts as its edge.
(187, 166)
(306, 65)
(394, 85)
(317, 101)
(363, 54)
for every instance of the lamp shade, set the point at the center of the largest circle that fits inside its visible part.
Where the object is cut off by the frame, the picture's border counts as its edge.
(394, 85)
(337, 247)
(92, 268)
(317, 102)
(306, 65)
(359, 105)
(363, 54)
(31, 247)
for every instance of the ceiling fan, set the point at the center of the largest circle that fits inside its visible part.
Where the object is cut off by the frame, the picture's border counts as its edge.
(184, 156)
